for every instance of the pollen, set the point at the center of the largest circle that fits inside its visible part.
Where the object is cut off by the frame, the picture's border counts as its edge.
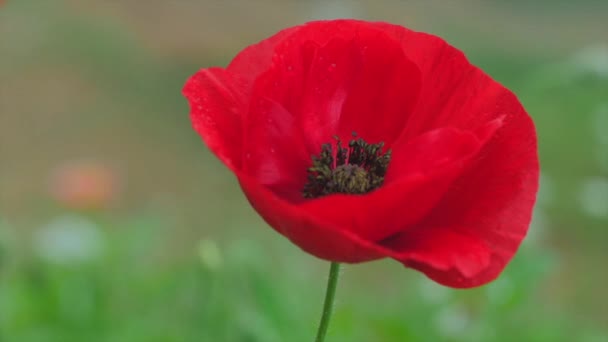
(357, 168)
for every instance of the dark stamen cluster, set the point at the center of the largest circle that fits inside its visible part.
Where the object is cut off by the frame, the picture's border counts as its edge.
(356, 169)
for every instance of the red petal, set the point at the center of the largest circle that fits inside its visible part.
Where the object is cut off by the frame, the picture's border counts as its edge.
(416, 182)
(463, 243)
(431, 152)
(308, 232)
(449, 256)
(255, 59)
(217, 103)
(383, 90)
(275, 154)
(423, 250)
(339, 77)
(453, 92)
(491, 205)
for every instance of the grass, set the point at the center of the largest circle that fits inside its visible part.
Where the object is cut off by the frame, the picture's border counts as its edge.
(238, 291)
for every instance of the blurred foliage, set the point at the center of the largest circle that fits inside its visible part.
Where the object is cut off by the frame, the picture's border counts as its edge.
(230, 292)
(177, 255)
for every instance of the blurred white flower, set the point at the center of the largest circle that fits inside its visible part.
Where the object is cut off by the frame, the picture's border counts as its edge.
(538, 226)
(593, 197)
(69, 239)
(452, 321)
(593, 59)
(546, 191)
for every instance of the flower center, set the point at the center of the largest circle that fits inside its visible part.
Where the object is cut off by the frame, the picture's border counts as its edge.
(355, 169)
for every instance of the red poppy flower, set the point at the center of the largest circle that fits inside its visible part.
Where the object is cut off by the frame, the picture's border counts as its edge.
(359, 141)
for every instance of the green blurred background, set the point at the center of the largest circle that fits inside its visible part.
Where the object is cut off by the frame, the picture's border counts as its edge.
(117, 224)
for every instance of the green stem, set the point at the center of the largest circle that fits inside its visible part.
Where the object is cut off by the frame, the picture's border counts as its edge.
(328, 306)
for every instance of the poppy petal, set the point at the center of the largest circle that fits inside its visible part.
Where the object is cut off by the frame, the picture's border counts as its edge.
(274, 152)
(420, 174)
(308, 232)
(491, 203)
(457, 265)
(255, 59)
(217, 104)
(383, 90)
(342, 81)
(454, 92)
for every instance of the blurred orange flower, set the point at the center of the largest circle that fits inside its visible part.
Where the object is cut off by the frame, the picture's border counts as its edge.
(84, 185)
